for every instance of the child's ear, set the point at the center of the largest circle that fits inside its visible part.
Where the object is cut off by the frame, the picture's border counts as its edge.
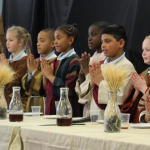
(52, 44)
(21, 42)
(71, 40)
(122, 43)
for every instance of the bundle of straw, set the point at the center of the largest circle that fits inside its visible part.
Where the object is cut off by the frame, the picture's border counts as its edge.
(114, 76)
(6, 74)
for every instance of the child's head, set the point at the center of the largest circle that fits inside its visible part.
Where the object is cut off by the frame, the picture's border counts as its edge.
(45, 41)
(146, 50)
(65, 37)
(113, 40)
(94, 39)
(18, 38)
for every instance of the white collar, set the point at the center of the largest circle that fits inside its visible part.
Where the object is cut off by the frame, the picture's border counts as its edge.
(49, 56)
(18, 57)
(115, 61)
(68, 54)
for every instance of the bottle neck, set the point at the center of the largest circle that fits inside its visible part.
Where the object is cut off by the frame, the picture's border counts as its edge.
(112, 95)
(64, 95)
(16, 92)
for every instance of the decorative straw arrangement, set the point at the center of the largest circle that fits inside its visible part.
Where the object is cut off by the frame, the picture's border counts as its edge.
(115, 78)
(6, 74)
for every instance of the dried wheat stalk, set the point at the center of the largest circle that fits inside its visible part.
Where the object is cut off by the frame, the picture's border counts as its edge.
(114, 76)
(6, 74)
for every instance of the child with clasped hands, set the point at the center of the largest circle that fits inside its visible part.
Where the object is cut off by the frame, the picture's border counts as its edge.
(32, 79)
(63, 72)
(18, 41)
(141, 84)
(113, 40)
(94, 44)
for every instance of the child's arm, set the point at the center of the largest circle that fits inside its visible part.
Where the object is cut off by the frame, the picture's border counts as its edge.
(144, 107)
(81, 76)
(44, 82)
(32, 65)
(138, 82)
(95, 74)
(20, 72)
(93, 78)
(3, 59)
(47, 70)
(84, 62)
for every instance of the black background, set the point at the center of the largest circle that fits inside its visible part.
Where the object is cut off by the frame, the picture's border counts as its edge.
(36, 15)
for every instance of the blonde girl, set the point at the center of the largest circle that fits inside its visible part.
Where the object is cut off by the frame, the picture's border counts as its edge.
(18, 41)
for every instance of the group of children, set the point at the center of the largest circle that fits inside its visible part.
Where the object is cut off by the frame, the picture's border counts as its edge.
(83, 76)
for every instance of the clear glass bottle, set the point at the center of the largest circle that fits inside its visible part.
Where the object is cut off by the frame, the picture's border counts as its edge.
(112, 115)
(15, 106)
(3, 104)
(64, 109)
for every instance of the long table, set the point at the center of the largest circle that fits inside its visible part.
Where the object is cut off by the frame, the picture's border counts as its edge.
(32, 135)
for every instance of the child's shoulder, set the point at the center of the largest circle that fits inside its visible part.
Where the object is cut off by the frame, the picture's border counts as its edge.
(75, 56)
(24, 58)
(126, 63)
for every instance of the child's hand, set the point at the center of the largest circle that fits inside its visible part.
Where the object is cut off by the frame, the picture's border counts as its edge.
(138, 82)
(32, 63)
(96, 73)
(84, 62)
(147, 104)
(46, 68)
(3, 59)
(147, 107)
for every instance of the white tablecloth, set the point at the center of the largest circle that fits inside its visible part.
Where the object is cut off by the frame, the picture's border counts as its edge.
(76, 137)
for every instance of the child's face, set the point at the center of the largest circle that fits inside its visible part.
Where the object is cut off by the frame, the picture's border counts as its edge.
(62, 42)
(94, 39)
(44, 44)
(13, 44)
(146, 51)
(111, 47)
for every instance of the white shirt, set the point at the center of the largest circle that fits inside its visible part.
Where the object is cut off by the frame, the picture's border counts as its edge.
(50, 56)
(68, 54)
(18, 57)
(115, 61)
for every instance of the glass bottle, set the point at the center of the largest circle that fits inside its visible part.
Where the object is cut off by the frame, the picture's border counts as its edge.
(64, 109)
(15, 106)
(112, 115)
(3, 104)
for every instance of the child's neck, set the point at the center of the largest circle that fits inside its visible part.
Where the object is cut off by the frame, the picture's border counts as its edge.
(67, 50)
(116, 57)
(46, 54)
(16, 53)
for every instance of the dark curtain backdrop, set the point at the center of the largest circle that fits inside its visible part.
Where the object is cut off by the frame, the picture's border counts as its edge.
(35, 15)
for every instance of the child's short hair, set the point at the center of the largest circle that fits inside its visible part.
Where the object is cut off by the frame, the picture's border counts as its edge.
(101, 24)
(50, 31)
(70, 30)
(117, 31)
